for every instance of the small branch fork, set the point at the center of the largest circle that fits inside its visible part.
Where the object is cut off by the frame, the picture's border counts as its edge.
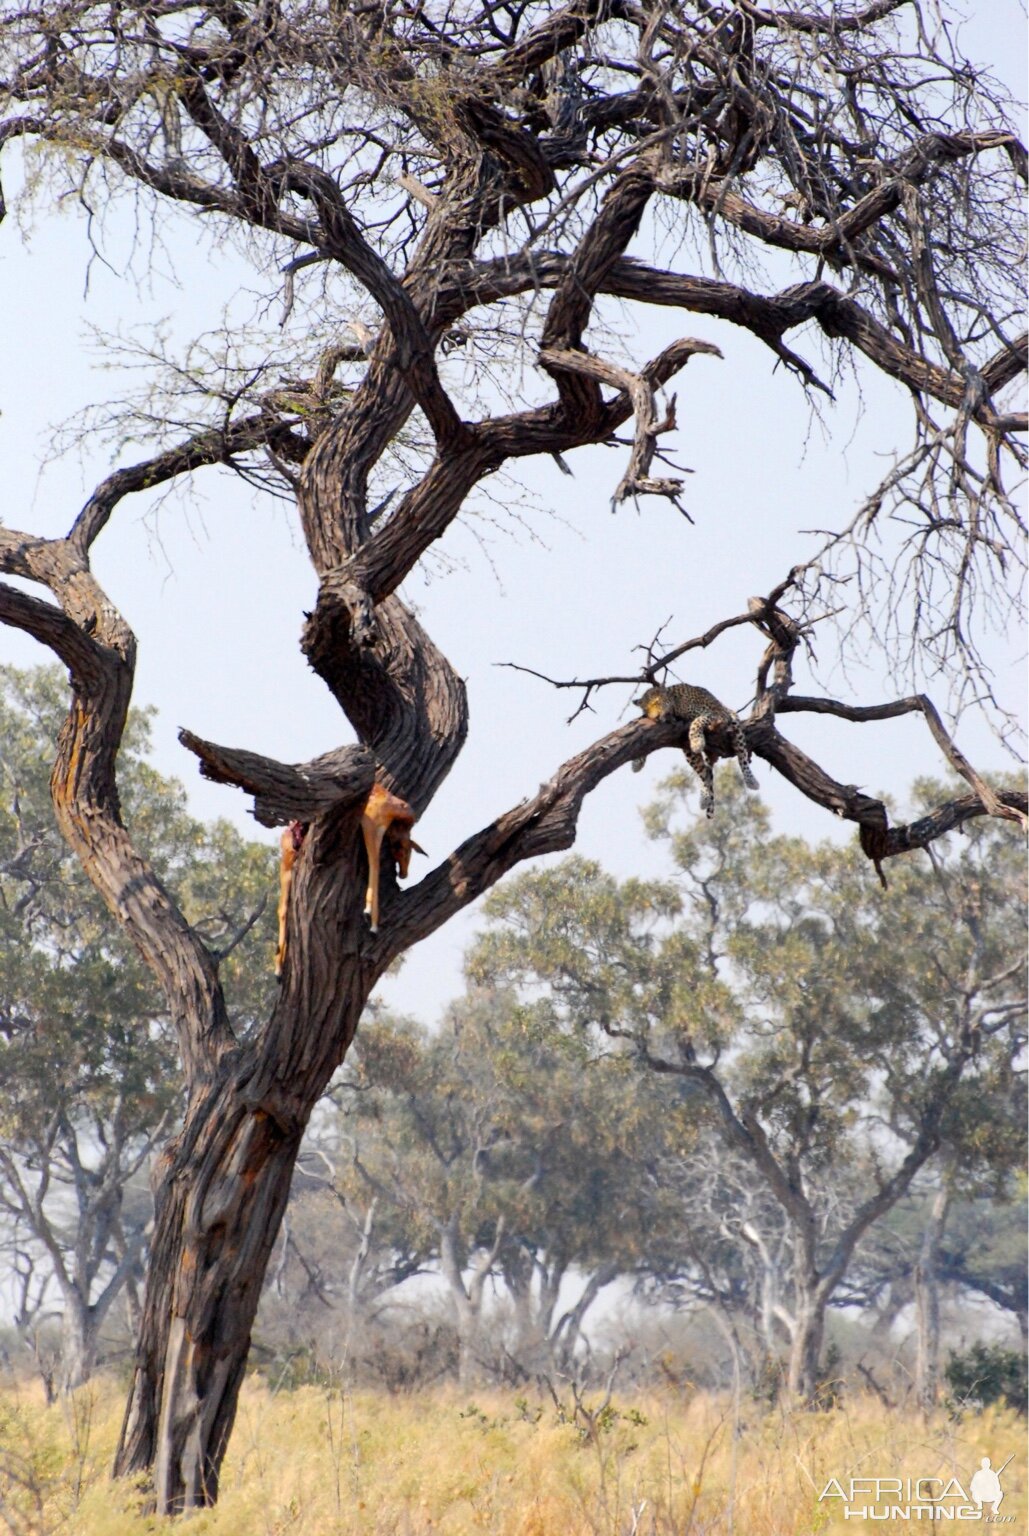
(639, 387)
(878, 839)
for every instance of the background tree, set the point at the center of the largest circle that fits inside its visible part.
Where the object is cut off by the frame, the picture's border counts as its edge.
(89, 1077)
(331, 1300)
(519, 1158)
(835, 1040)
(435, 177)
(984, 1251)
(973, 1221)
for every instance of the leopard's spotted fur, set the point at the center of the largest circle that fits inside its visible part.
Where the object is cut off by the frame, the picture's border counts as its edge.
(682, 701)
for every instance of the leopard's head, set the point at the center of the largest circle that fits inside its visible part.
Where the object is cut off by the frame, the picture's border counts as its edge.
(650, 703)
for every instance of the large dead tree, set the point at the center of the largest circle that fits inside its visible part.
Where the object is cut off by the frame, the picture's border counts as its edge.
(426, 174)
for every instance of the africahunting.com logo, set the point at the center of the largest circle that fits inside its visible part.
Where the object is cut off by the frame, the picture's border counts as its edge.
(921, 1498)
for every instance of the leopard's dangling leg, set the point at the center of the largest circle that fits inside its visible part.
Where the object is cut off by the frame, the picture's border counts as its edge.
(696, 755)
(739, 742)
(702, 768)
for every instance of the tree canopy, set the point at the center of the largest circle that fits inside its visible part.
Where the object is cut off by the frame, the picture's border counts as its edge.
(834, 1044)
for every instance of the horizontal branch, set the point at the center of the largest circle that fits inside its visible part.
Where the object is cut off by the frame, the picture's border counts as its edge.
(835, 242)
(993, 804)
(48, 624)
(171, 180)
(22, 554)
(1012, 421)
(815, 21)
(286, 792)
(1003, 368)
(879, 840)
(945, 818)
(586, 684)
(213, 445)
(768, 317)
(547, 822)
(649, 673)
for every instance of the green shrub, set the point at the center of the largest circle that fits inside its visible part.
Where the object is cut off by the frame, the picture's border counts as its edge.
(988, 1373)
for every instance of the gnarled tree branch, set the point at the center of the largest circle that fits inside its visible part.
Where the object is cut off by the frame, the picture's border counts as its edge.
(97, 646)
(336, 781)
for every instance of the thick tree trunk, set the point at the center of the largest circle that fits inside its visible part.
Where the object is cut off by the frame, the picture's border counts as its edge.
(531, 1321)
(80, 1327)
(927, 1316)
(468, 1323)
(806, 1348)
(896, 1299)
(219, 1206)
(467, 1292)
(927, 1299)
(222, 1184)
(467, 1347)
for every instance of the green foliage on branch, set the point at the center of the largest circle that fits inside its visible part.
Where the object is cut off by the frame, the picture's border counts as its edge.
(989, 1373)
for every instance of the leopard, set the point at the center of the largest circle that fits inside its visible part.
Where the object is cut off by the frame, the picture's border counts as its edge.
(684, 701)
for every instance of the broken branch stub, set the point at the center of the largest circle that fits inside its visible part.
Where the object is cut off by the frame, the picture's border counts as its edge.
(337, 781)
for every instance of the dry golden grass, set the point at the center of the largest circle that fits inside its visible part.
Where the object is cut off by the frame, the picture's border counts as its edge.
(316, 1463)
